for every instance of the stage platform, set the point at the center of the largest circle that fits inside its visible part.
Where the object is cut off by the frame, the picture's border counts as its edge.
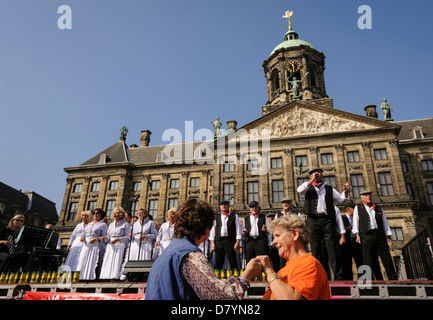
(340, 290)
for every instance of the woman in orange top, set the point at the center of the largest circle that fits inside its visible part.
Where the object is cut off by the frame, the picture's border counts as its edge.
(303, 277)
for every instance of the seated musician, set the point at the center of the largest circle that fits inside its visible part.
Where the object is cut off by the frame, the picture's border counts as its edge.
(9, 261)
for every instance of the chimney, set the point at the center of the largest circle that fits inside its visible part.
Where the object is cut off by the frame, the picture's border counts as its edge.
(145, 138)
(231, 126)
(370, 111)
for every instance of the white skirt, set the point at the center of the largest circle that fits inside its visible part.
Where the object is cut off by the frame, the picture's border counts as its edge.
(113, 260)
(88, 261)
(140, 253)
(74, 254)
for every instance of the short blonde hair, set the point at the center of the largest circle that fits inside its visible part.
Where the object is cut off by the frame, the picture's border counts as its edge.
(121, 212)
(291, 223)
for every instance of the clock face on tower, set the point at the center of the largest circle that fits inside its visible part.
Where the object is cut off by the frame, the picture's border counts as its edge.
(293, 66)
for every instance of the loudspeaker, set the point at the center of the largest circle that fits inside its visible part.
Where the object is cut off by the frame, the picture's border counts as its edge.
(137, 270)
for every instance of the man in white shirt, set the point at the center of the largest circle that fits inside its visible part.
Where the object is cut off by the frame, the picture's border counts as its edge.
(225, 237)
(319, 205)
(257, 238)
(372, 231)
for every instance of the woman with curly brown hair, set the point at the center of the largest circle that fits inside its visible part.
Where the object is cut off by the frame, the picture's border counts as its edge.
(182, 272)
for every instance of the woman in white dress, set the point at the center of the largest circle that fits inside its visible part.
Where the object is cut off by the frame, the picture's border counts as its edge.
(143, 232)
(93, 243)
(117, 240)
(165, 234)
(75, 243)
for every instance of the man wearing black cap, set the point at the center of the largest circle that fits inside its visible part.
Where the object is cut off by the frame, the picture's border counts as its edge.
(319, 205)
(372, 231)
(257, 237)
(350, 249)
(225, 237)
(288, 209)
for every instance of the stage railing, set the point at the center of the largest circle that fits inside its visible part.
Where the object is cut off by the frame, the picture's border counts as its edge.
(418, 257)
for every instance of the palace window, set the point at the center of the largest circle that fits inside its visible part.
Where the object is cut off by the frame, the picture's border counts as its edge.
(397, 234)
(136, 186)
(326, 158)
(430, 192)
(404, 166)
(276, 163)
(229, 167)
(155, 185)
(95, 186)
(113, 185)
(301, 161)
(194, 182)
(153, 207)
(172, 203)
(110, 207)
(229, 192)
(352, 156)
(77, 187)
(174, 184)
(252, 164)
(380, 154)
(91, 206)
(72, 211)
(277, 190)
(330, 181)
(252, 191)
(386, 184)
(357, 184)
(427, 165)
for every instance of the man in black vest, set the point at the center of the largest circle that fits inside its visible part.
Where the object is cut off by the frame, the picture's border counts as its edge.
(225, 237)
(319, 205)
(350, 249)
(288, 209)
(257, 237)
(372, 231)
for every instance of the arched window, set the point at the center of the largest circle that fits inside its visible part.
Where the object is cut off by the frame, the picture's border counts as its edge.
(275, 80)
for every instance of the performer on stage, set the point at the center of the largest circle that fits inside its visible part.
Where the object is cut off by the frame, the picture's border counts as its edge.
(7, 247)
(165, 233)
(319, 205)
(143, 232)
(75, 243)
(116, 242)
(257, 238)
(89, 255)
(225, 237)
(372, 231)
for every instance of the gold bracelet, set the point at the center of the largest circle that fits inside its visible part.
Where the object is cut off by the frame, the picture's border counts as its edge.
(274, 277)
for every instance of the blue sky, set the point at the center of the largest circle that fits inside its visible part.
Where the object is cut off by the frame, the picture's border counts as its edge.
(154, 64)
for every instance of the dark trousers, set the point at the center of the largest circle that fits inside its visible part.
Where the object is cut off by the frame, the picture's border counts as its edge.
(374, 244)
(256, 247)
(225, 248)
(351, 249)
(323, 228)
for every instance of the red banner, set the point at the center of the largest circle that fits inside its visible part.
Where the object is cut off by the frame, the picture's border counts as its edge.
(30, 295)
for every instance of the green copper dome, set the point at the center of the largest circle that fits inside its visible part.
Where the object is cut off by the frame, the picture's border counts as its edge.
(291, 40)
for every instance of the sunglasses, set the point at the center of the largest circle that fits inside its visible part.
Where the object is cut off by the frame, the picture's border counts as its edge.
(19, 220)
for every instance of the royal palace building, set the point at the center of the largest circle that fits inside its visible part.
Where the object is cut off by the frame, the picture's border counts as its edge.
(267, 159)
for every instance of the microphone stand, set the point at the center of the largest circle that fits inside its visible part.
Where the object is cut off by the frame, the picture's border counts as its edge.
(141, 234)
